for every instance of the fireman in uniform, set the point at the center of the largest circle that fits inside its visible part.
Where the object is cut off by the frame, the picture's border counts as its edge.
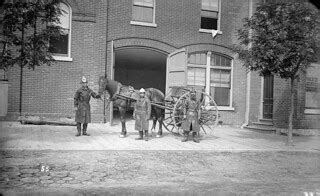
(191, 122)
(141, 113)
(82, 106)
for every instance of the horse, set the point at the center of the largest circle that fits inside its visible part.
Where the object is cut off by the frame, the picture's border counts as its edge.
(155, 96)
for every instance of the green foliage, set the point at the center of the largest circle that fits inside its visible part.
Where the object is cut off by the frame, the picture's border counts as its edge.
(27, 27)
(278, 39)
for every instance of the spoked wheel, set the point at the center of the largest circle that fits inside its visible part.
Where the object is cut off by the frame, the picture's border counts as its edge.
(168, 121)
(208, 112)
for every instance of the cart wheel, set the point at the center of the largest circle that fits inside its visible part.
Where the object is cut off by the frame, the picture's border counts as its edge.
(208, 111)
(168, 122)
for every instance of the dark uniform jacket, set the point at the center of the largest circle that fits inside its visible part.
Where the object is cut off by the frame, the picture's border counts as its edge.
(192, 116)
(81, 101)
(142, 112)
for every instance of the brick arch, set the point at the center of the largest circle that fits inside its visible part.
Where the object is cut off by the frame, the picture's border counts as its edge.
(210, 47)
(152, 44)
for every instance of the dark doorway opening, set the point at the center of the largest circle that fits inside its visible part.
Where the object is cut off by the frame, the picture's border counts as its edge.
(267, 97)
(139, 68)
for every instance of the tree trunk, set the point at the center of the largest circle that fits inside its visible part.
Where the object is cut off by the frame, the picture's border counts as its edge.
(290, 141)
(21, 66)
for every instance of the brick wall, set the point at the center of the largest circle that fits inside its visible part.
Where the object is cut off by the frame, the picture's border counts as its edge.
(178, 24)
(49, 91)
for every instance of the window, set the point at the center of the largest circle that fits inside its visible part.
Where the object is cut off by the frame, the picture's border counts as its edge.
(143, 12)
(210, 14)
(212, 73)
(197, 71)
(197, 77)
(220, 79)
(61, 47)
(276, 1)
(313, 89)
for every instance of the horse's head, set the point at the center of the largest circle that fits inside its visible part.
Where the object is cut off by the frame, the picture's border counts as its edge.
(103, 82)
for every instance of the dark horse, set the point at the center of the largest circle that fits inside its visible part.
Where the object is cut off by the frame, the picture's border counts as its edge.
(155, 96)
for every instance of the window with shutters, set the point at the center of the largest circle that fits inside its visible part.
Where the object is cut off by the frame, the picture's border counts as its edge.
(143, 13)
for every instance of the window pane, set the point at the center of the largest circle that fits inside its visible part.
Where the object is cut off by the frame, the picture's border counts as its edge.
(210, 5)
(220, 78)
(228, 62)
(148, 3)
(209, 14)
(209, 23)
(223, 61)
(220, 95)
(192, 58)
(198, 58)
(65, 17)
(143, 14)
(218, 61)
(59, 45)
(196, 76)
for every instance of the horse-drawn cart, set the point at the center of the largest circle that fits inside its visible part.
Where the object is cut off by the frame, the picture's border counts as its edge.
(174, 106)
(170, 110)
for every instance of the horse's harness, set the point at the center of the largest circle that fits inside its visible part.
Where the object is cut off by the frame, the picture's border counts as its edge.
(130, 93)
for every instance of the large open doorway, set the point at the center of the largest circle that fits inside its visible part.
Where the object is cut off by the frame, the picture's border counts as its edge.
(139, 68)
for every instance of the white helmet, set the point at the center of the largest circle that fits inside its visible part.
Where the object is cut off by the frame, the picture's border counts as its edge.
(142, 91)
(84, 80)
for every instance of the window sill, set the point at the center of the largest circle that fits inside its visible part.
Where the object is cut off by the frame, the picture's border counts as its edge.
(312, 111)
(209, 31)
(225, 108)
(143, 24)
(62, 58)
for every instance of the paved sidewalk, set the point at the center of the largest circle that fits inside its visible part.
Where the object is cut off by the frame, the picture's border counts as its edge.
(15, 136)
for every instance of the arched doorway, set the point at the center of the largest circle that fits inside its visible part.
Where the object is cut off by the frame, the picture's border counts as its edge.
(140, 68)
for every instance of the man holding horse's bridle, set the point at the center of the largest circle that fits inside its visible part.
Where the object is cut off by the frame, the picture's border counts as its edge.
(141, 113)
(82, 106)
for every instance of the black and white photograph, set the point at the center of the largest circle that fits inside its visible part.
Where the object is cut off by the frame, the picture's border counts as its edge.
(159, 97)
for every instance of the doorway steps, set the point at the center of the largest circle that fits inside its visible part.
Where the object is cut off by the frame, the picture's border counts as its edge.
(262, 125)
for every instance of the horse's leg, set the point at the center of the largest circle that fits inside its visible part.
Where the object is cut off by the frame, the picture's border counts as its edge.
(122, 111)
(154, 123)
(160, 113)
(154, 118)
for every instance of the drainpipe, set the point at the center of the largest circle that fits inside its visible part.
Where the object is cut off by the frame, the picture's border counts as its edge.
(21, 83)
(106, 64)
(248, 87)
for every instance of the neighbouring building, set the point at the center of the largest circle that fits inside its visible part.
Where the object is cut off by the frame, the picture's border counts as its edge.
(161, 43)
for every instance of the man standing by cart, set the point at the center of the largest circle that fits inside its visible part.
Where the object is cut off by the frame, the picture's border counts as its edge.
(82, 106)
(191, 122)
(141, 113)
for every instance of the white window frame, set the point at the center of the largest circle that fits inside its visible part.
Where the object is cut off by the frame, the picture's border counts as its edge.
(147, 24)
(312, 110)
(208, 67)
(219, 21)
(66, 58)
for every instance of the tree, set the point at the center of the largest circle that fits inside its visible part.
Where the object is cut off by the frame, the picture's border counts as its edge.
(279, 39)
(27, 27)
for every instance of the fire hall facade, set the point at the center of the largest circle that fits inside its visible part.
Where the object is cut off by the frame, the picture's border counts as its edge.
(142, 42)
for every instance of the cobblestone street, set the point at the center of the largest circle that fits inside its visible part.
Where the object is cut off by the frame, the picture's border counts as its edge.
(159, 172)
(50, 160)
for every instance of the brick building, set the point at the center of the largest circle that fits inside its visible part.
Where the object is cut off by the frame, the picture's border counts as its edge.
(140, 42)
